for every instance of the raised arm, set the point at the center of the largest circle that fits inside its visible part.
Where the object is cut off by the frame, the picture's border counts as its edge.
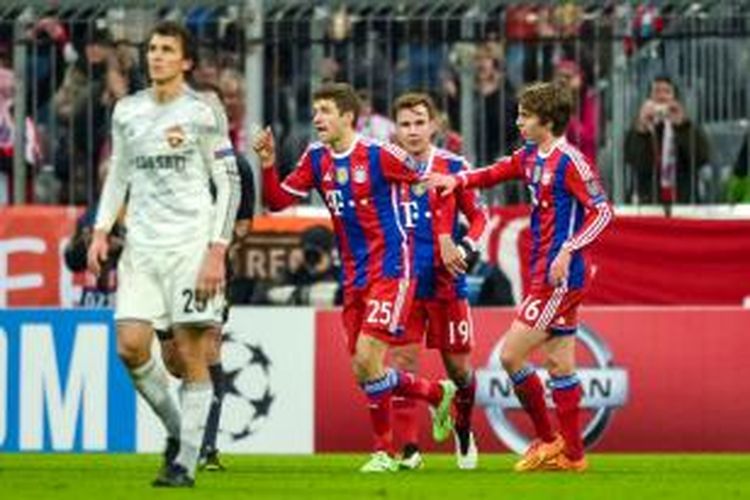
(279, 195)
(506, 168)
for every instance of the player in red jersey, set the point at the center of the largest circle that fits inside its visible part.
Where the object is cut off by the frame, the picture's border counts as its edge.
(359, 181)
(440, 311)
(570, 210)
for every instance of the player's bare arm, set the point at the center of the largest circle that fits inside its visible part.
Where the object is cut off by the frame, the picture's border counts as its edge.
(443, 183)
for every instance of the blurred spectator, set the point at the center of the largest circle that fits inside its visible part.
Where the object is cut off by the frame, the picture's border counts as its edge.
(84, 74)
(96, 291)
(494, 105)
(8, 134)
(495, 108)
(486, 283)
(647, 22)
(520, 30)
(664, 148)
(446, 137)
(371, 123)
(83, 117)
(583, 128)
(232, 92)
(315, 260)
(128, 60)
(52, 50)
(122, 78)
(206, 70)
(738, 187)
(312, 277)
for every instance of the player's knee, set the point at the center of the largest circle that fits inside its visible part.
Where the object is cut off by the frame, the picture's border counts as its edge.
(459, 374)
(187, 352)
(213, 349)
(361, 367)
(560, 369)
(550, 364)
(559, 365)
(458, 367)
(172, 361)
(405, 359)
(132, 352)
(510, 359)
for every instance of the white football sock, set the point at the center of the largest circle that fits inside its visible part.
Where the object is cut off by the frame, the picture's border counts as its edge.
(195, 398)
(150, 379)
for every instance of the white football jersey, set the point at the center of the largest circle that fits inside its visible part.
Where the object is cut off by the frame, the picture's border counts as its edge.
(166, 155)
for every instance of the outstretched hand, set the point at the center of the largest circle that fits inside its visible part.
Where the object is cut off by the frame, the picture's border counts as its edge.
(445, 184)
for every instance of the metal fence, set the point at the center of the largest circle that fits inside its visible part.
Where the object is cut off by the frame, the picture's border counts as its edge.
(76, 58)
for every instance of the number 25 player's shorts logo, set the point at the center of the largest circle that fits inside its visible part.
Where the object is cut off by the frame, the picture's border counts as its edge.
(605, 388)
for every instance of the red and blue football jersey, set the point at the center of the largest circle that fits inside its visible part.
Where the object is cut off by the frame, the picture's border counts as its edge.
(570, 206)
(419, 207)
(361, 190)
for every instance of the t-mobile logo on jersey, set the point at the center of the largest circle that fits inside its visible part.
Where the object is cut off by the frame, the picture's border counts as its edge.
(335, 202)
(411, 213)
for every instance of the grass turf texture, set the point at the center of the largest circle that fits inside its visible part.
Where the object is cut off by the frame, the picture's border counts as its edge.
(109, 477)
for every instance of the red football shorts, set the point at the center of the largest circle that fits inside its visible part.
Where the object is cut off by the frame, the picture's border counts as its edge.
(380, 311)
(446, 324)
(552, 309)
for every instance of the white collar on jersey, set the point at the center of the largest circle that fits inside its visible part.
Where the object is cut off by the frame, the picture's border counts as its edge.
(427, 166)
(557, 144)
(185, 89)
(338, 156)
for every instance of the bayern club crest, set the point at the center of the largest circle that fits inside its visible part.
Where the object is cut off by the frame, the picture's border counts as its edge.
(605, 388)
(419, 189)
(359, 175)
(342, 176)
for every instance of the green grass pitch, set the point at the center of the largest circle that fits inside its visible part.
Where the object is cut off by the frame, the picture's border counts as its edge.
(633, 477)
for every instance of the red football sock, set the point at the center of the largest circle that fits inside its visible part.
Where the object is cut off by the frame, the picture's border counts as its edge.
(379, 395)
(464, 403)
(530, 393)
(411, 386)
(405, 416)
(567, 402)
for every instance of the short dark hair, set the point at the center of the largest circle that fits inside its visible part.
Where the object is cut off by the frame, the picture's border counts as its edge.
(668, 80)
(551, 102)
(411, 100)
(176, 30)
(343, 95)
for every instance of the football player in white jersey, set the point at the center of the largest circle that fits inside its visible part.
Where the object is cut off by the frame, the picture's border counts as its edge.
(167, 147)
